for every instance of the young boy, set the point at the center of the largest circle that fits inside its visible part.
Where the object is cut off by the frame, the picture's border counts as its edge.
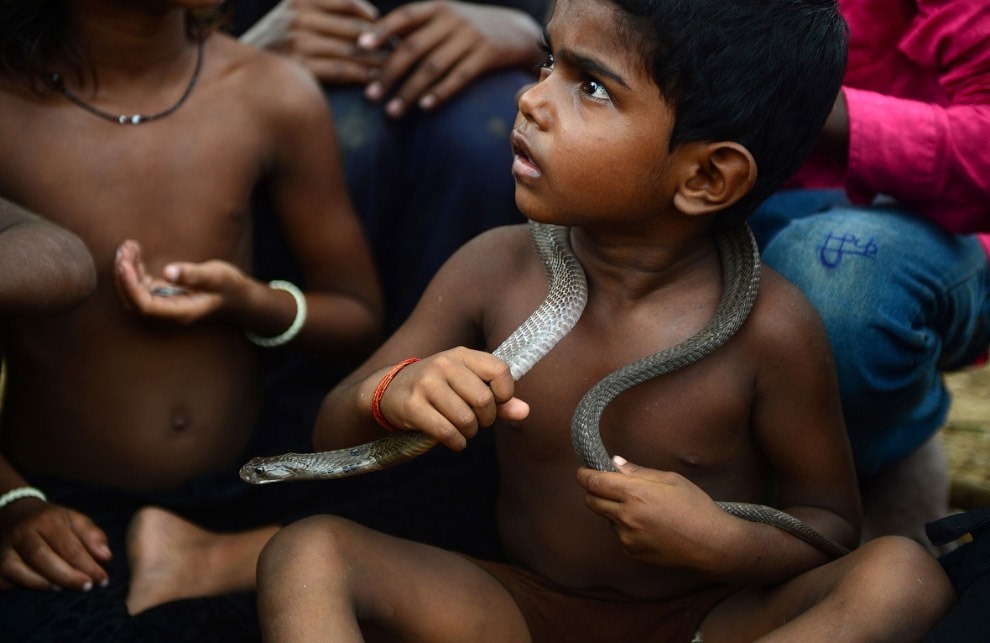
(654, 123)
(145, 133)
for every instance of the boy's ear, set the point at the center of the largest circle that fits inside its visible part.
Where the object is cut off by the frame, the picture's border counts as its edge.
(713, 176)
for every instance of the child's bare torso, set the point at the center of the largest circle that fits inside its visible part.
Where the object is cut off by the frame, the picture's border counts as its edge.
(96, 393)
(696, 423)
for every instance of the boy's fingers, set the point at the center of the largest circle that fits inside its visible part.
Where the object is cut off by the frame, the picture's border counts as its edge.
(209, 276)
(603, 484)
(92, 537)
(72, 564)
(395, 23)
(495, 372)
(360, 8)
(16, 573)
(625, 466)
(340, 70)
(515, 410)
(435, 63)
(81, 573)
(440, 427)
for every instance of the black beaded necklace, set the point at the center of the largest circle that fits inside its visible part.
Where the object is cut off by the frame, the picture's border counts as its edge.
(133, 119)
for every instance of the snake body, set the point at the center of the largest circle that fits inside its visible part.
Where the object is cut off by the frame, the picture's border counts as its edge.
(553, 319)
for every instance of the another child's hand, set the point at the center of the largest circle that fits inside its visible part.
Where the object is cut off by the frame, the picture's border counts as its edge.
(451, 395)
(45, 546)
(442, 46)
(185, 293)
(321, 34)
(660, 517)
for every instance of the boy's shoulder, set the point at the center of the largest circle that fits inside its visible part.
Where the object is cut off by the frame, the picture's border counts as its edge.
(498, 249)
(783, 319)
(266, 79)
(496, 256)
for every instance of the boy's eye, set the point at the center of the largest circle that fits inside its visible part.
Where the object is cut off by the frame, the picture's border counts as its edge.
(595, 89)
(548, 63)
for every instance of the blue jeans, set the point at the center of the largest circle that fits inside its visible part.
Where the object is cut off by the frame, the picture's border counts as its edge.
(902, 299)
(428, 182)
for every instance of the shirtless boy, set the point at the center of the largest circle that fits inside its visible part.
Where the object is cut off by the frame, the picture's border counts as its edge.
(152, 385)
(653, 123)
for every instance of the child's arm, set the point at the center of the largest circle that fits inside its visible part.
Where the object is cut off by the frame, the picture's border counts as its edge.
(451, 392)
(319, 225)
(44, 266)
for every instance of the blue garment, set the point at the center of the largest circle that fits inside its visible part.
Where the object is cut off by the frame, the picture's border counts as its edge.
(902, 299)
(426, 183)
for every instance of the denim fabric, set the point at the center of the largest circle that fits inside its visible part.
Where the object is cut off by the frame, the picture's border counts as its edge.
(428, 182)
(902, 299)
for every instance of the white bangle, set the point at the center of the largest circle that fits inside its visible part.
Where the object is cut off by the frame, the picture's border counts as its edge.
(21, 492)
(297, 323)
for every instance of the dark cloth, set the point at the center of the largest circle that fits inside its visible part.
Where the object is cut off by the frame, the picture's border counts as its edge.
(558, 615)
(968, 567)
(425, 184)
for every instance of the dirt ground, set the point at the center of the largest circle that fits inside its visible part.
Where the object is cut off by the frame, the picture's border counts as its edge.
(966, 437)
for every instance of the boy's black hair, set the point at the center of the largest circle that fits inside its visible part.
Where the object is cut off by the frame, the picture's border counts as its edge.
(34, 33)
(762, 73)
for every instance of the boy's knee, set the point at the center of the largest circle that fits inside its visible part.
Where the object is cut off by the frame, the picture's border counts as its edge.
(903, 575)
(298, 546)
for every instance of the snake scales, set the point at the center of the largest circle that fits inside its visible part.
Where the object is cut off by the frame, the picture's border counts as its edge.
(553, 319)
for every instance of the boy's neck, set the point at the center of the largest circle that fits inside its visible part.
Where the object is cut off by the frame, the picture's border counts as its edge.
(631, 266)
(130, 39)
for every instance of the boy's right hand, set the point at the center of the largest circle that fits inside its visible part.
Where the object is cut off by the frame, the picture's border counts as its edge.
(45, 546)
(451, 395)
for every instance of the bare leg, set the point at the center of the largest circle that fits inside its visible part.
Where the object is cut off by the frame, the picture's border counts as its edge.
(172, 559)
(903, 497)
(890, 589)
(328, 579)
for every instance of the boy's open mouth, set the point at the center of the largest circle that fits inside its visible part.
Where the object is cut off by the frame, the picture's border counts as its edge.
(522, 162)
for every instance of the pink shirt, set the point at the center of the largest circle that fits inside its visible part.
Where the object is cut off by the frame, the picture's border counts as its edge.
(918, 89)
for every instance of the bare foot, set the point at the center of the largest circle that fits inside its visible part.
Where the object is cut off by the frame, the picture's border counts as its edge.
(171, 559)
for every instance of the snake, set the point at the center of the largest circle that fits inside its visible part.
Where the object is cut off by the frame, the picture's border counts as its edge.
(565, 301)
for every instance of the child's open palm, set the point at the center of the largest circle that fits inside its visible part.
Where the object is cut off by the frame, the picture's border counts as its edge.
(184, 293)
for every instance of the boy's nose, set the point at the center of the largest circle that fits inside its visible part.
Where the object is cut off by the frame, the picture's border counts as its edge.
(532, 100)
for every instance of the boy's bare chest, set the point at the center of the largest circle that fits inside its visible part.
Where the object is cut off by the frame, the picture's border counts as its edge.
(159, 183)
(692, 417)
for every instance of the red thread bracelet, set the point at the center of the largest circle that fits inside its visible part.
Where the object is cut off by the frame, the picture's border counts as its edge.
(376, 397)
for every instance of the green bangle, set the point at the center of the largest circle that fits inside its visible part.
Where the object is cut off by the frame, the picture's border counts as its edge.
(297, 323)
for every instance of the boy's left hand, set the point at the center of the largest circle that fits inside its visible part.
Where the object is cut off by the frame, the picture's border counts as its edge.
(185, 293)
(660, 517)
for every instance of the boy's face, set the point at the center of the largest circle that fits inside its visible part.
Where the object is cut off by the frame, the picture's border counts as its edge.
(591, 137)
